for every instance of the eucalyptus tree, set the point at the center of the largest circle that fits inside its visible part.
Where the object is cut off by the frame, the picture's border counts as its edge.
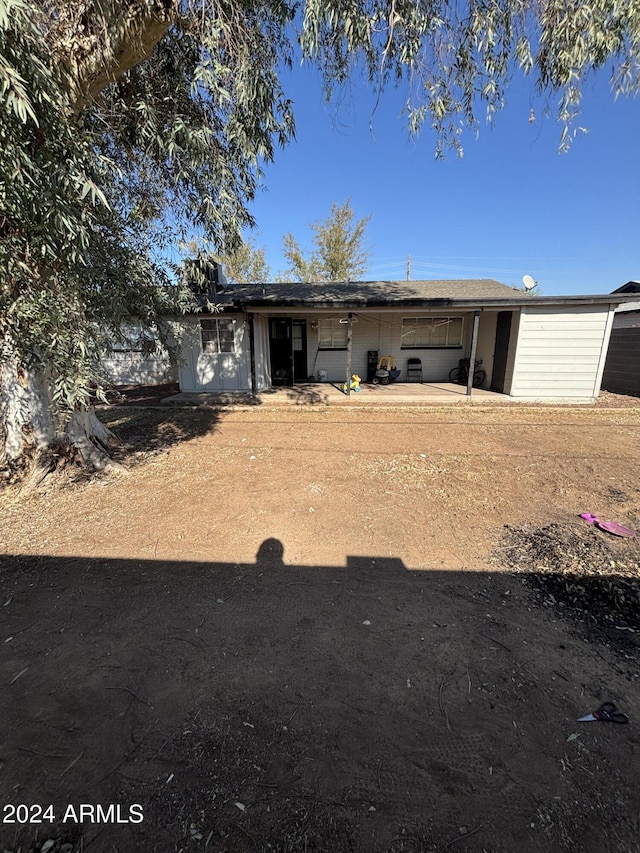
(123, 125)
(127, 125)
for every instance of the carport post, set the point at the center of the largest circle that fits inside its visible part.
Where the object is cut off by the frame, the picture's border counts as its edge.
(349, 339)
(252, 353)
(474, 347)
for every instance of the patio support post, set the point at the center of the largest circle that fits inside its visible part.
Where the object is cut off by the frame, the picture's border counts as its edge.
(474, 347)
(349, 340)
(252, 351)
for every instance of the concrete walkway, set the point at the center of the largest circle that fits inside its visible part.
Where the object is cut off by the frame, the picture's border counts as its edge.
(330, 394)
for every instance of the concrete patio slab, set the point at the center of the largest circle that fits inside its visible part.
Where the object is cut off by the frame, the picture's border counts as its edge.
(331, 394)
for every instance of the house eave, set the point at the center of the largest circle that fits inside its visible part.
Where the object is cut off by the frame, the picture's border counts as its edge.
(494, 303)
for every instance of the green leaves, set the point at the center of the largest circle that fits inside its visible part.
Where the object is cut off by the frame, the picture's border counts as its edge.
(13, 90)
(459, 59)
(246, 264)
(339, 253)
(96, 193)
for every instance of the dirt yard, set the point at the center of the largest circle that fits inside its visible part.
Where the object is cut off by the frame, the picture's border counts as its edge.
(319, 629)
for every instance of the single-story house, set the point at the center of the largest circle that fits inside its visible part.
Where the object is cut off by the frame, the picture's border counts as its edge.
(622, 366)
(137, 358)
(532, 347)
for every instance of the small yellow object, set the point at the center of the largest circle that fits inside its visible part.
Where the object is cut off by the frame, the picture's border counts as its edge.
(387, 362)
(354, 385)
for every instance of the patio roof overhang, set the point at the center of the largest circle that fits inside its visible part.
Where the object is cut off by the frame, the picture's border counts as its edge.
(432, 296)
(440, 303)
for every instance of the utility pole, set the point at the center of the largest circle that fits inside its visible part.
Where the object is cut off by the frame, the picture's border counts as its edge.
(408, 267)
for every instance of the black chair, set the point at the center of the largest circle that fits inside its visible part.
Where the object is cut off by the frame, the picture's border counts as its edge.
(414, 370)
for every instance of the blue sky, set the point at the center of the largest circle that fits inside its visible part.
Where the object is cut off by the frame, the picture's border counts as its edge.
(512, 205)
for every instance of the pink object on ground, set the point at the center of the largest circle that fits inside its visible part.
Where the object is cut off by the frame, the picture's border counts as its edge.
(610, 526)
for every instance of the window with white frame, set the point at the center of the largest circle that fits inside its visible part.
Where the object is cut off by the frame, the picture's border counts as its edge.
(431, 332)
(332, 334)
(217, 335)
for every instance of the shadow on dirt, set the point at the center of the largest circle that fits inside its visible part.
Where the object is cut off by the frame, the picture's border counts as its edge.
(144, 426)
(302, 394)
(269, 706)
(584, 573)
(144, 431)
(141, 395)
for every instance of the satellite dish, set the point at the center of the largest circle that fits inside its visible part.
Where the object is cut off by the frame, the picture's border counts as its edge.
(528, 282)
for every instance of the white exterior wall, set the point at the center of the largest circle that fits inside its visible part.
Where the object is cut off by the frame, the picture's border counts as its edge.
(134, 368)
(381, 332)
(560, 354)
(486, 341)
(513, 346)
(200, 371)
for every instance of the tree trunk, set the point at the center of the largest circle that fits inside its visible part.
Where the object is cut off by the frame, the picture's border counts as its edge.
(33, 436)
(98, 42)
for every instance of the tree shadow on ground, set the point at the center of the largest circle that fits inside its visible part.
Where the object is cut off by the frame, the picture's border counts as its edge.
(303, 394)
(256, 706)
(146, 430)
(141, 395)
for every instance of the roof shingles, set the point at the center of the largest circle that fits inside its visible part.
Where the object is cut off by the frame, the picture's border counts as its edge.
(368, 292)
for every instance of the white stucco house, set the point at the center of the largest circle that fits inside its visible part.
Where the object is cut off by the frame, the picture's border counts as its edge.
(264, 336)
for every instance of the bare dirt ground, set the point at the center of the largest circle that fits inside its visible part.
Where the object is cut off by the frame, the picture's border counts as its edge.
(316, 629)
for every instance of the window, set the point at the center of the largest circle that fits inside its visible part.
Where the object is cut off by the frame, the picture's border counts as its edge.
(217, 336)
(332, 334)
(425, 332)
(134, 340)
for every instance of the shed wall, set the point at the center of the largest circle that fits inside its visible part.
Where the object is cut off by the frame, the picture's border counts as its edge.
(513, 347)
(200, 371)
(622, 367)
(560, 354)
(486, 342)
(627, 319)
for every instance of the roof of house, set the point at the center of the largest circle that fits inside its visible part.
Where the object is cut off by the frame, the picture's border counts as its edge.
(629, 287)
(367, 292)
(460, 293)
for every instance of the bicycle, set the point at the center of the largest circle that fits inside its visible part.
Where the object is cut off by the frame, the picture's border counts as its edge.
(460, 374)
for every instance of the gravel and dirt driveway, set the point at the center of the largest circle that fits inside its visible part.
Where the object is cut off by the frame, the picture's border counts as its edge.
(317, 629)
